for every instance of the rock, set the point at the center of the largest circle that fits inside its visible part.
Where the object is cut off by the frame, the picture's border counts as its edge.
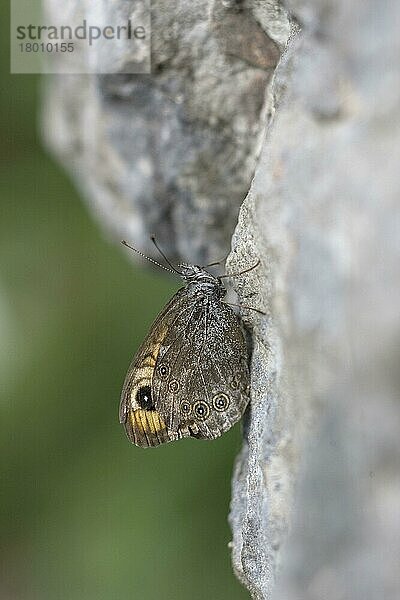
(323, 216)
(172, 153)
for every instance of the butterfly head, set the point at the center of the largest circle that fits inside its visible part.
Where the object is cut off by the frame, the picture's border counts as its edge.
(198, 276)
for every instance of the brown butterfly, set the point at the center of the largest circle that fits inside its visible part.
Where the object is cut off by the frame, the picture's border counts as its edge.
(190, 376)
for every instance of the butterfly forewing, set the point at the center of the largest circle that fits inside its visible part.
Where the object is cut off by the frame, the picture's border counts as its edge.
(138, 413)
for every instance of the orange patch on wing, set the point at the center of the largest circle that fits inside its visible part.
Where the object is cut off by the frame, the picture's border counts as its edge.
(147, 421)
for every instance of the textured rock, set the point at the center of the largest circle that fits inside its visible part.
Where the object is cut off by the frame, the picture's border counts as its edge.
(174, 154)
(323, 215)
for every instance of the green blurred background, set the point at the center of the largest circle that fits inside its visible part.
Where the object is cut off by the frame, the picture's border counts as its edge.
(86, 515)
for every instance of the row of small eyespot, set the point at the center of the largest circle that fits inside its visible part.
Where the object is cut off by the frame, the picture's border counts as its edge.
(173, 385)
(201, 409)
(164, 371)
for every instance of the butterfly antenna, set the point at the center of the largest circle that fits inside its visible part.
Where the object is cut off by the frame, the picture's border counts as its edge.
(153, 239)
(148, 258)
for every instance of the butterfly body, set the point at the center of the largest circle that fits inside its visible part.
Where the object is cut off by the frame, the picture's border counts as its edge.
(190, 376)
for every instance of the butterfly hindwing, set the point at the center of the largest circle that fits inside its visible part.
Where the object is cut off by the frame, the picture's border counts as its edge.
(201, 381)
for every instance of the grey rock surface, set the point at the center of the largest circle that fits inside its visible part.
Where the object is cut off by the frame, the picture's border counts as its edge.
(174, 154)
(323, 215)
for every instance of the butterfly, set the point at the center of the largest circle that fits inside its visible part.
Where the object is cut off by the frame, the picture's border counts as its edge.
(190, 376)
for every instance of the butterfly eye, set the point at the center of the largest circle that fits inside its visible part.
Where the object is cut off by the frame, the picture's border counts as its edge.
(163, 371)
(144, 399)
(201, 410)
(221, 402)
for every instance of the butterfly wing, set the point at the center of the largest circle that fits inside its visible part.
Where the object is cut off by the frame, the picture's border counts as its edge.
(201, 379)
(144, 425)
(190, 375)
